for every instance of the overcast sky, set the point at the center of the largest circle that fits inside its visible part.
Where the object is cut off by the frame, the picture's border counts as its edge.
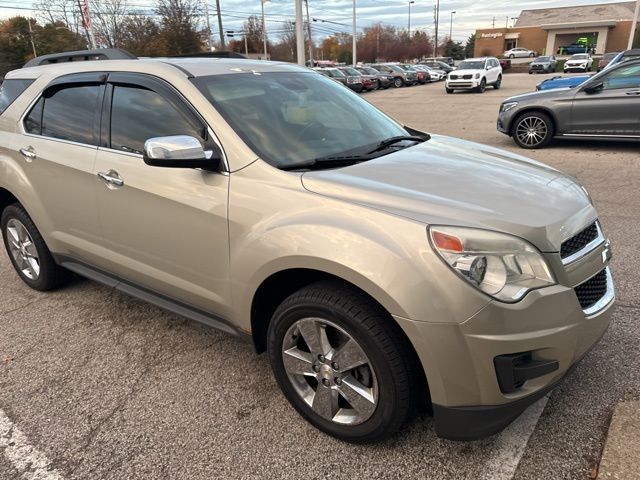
(470, 14)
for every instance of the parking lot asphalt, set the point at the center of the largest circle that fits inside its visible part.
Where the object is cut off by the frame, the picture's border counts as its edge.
(96, 385)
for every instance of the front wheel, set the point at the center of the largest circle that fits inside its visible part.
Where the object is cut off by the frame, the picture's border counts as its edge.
(482, 87)
(341, 362)
(28, 252)
(449, 90)
(533, 130)
(398, 82)
(512, 56)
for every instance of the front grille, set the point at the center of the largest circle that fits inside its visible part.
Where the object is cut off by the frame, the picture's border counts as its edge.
(592, 290)
(467, 77)
(579, 241)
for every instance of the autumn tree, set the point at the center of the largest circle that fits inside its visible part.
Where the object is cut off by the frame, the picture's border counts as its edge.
(142, 36)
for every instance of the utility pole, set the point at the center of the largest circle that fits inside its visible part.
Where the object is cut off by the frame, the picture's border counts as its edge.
(33, 45)
(264, 29)
(634, 25)
(220, 23)
(493, 24)
(206, 9)
(246, 47)
(83, 5)
(435, 50)
(353, 52)
(306, 2)
(451, 27)
(299, 33)
(409, 24)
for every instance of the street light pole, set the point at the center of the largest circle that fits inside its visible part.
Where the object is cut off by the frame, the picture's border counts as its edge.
(451, 26)
(353, 53)
(409, 25)
(306, 2)
(634, 25)
(435, 50)
(299, 34)
(264, 29)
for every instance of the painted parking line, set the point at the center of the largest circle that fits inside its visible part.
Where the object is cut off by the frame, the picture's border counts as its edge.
(512, 442)
(25, 458)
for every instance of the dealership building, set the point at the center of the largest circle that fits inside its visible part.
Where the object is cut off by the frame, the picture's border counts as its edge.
(546, 30)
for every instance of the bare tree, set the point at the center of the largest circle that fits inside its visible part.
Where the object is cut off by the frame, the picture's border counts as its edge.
(107, 18)
(180, 22)
(65, 11)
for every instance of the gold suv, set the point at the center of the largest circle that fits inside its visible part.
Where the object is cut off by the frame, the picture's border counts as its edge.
(380, 267)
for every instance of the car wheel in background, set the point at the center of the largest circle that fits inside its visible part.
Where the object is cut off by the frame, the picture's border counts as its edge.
(512, 56)
(533, 130)
(342, 362)
(398, 82)
(377, 87)
(531, 55)
(28, 253)
(498, 83)
(482, 87)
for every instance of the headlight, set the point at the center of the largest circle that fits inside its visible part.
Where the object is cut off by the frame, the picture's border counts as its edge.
(502, 266)
(505, 107)
(477, 75)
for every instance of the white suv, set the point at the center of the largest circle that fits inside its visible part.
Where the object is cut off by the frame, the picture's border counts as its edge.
(475, 74)
(579, 61)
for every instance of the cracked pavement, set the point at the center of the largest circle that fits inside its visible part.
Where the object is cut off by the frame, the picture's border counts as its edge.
(108, 387)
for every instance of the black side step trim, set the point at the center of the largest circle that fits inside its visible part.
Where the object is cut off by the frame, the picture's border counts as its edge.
(149, 296)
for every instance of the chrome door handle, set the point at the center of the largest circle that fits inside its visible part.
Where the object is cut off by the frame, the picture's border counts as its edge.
(111, 178)
(28, 153)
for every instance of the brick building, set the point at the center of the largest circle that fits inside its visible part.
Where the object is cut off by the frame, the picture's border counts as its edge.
(545, 30)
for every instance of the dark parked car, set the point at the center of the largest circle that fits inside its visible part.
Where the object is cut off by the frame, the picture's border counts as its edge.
(382, 79)
(356, 81)
(575, 48)
(333, 74)
(423, 77)
(448, 60)
(605, 59)
(438, 65)
(545, 64)
(605, 106)
(400, 76)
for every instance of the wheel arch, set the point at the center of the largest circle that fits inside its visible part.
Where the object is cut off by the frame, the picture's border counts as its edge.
(7, 198)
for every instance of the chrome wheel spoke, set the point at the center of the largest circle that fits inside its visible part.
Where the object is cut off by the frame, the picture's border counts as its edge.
(34, 266)
(297, 362)
(12, 234)
(315, 335)
(325, 401)
(349, 356)
(22, 249)
(359, 397)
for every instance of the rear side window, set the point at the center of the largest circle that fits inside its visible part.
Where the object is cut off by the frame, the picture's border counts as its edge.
(10, 90)
(138, 114)
(67, 113)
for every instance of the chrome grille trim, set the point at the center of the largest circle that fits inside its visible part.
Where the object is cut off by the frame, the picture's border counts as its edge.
(605, 300)
(592, 245)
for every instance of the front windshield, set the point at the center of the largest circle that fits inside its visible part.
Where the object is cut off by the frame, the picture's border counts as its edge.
(471, 65)
(351, 71)
(579, 56)
(334, 72)
(542, 59)
(395, 68)
(289, 118)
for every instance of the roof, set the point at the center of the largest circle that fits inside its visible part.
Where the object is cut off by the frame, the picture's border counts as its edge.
(619, 11)
(195, 67)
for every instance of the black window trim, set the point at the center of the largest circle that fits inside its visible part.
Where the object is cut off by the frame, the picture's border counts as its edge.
(73, 79)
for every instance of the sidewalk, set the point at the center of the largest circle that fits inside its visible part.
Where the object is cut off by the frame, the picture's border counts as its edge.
(621, 456)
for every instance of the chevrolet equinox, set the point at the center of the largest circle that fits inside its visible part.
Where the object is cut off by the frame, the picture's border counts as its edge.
(382, 268)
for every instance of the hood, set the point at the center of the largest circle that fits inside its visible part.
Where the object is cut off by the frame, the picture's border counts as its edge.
(541, 62)
(454, 182)
(467, 72)
(543, 95)
(577, 62)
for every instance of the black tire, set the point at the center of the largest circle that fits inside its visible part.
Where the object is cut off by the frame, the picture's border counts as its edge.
(380, 339)
(498, 83)
(482, 87)
(530, 119)
(377, 87)
(398, 82)
(531, 55)
(449, 90)
(512, 56)
(51, 275)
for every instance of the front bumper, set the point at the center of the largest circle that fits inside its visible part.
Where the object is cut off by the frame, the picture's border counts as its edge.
(568, 68)
(463, 84)
(460, 359)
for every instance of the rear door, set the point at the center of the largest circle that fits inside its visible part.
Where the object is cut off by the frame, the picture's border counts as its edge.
(613, 110)
(57, 144)
(166, 228)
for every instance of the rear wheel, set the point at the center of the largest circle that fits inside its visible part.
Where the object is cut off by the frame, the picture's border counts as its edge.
(533, 130)
(27, 251)
(498, 82)
(341, 362)
(398, 82)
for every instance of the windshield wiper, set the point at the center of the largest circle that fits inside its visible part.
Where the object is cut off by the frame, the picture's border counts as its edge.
(393, 140)
(327, 162)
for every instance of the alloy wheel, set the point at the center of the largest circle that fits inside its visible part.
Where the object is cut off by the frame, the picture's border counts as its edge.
(330, 371)
(532, 131)
(22, 249)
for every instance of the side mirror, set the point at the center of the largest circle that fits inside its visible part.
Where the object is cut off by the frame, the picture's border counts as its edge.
(593, 88)
(179, 151)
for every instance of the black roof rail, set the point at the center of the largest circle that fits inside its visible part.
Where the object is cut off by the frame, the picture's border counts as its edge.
(81, 55)
(215, 54)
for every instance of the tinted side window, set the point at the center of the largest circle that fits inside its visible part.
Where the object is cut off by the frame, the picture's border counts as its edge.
(138, 114)
(33, 122)
(625, 77)
(69, 113)
(10, 90)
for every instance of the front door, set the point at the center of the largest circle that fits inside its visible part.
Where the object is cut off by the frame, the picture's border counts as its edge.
(613, 110)
(166, 227)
